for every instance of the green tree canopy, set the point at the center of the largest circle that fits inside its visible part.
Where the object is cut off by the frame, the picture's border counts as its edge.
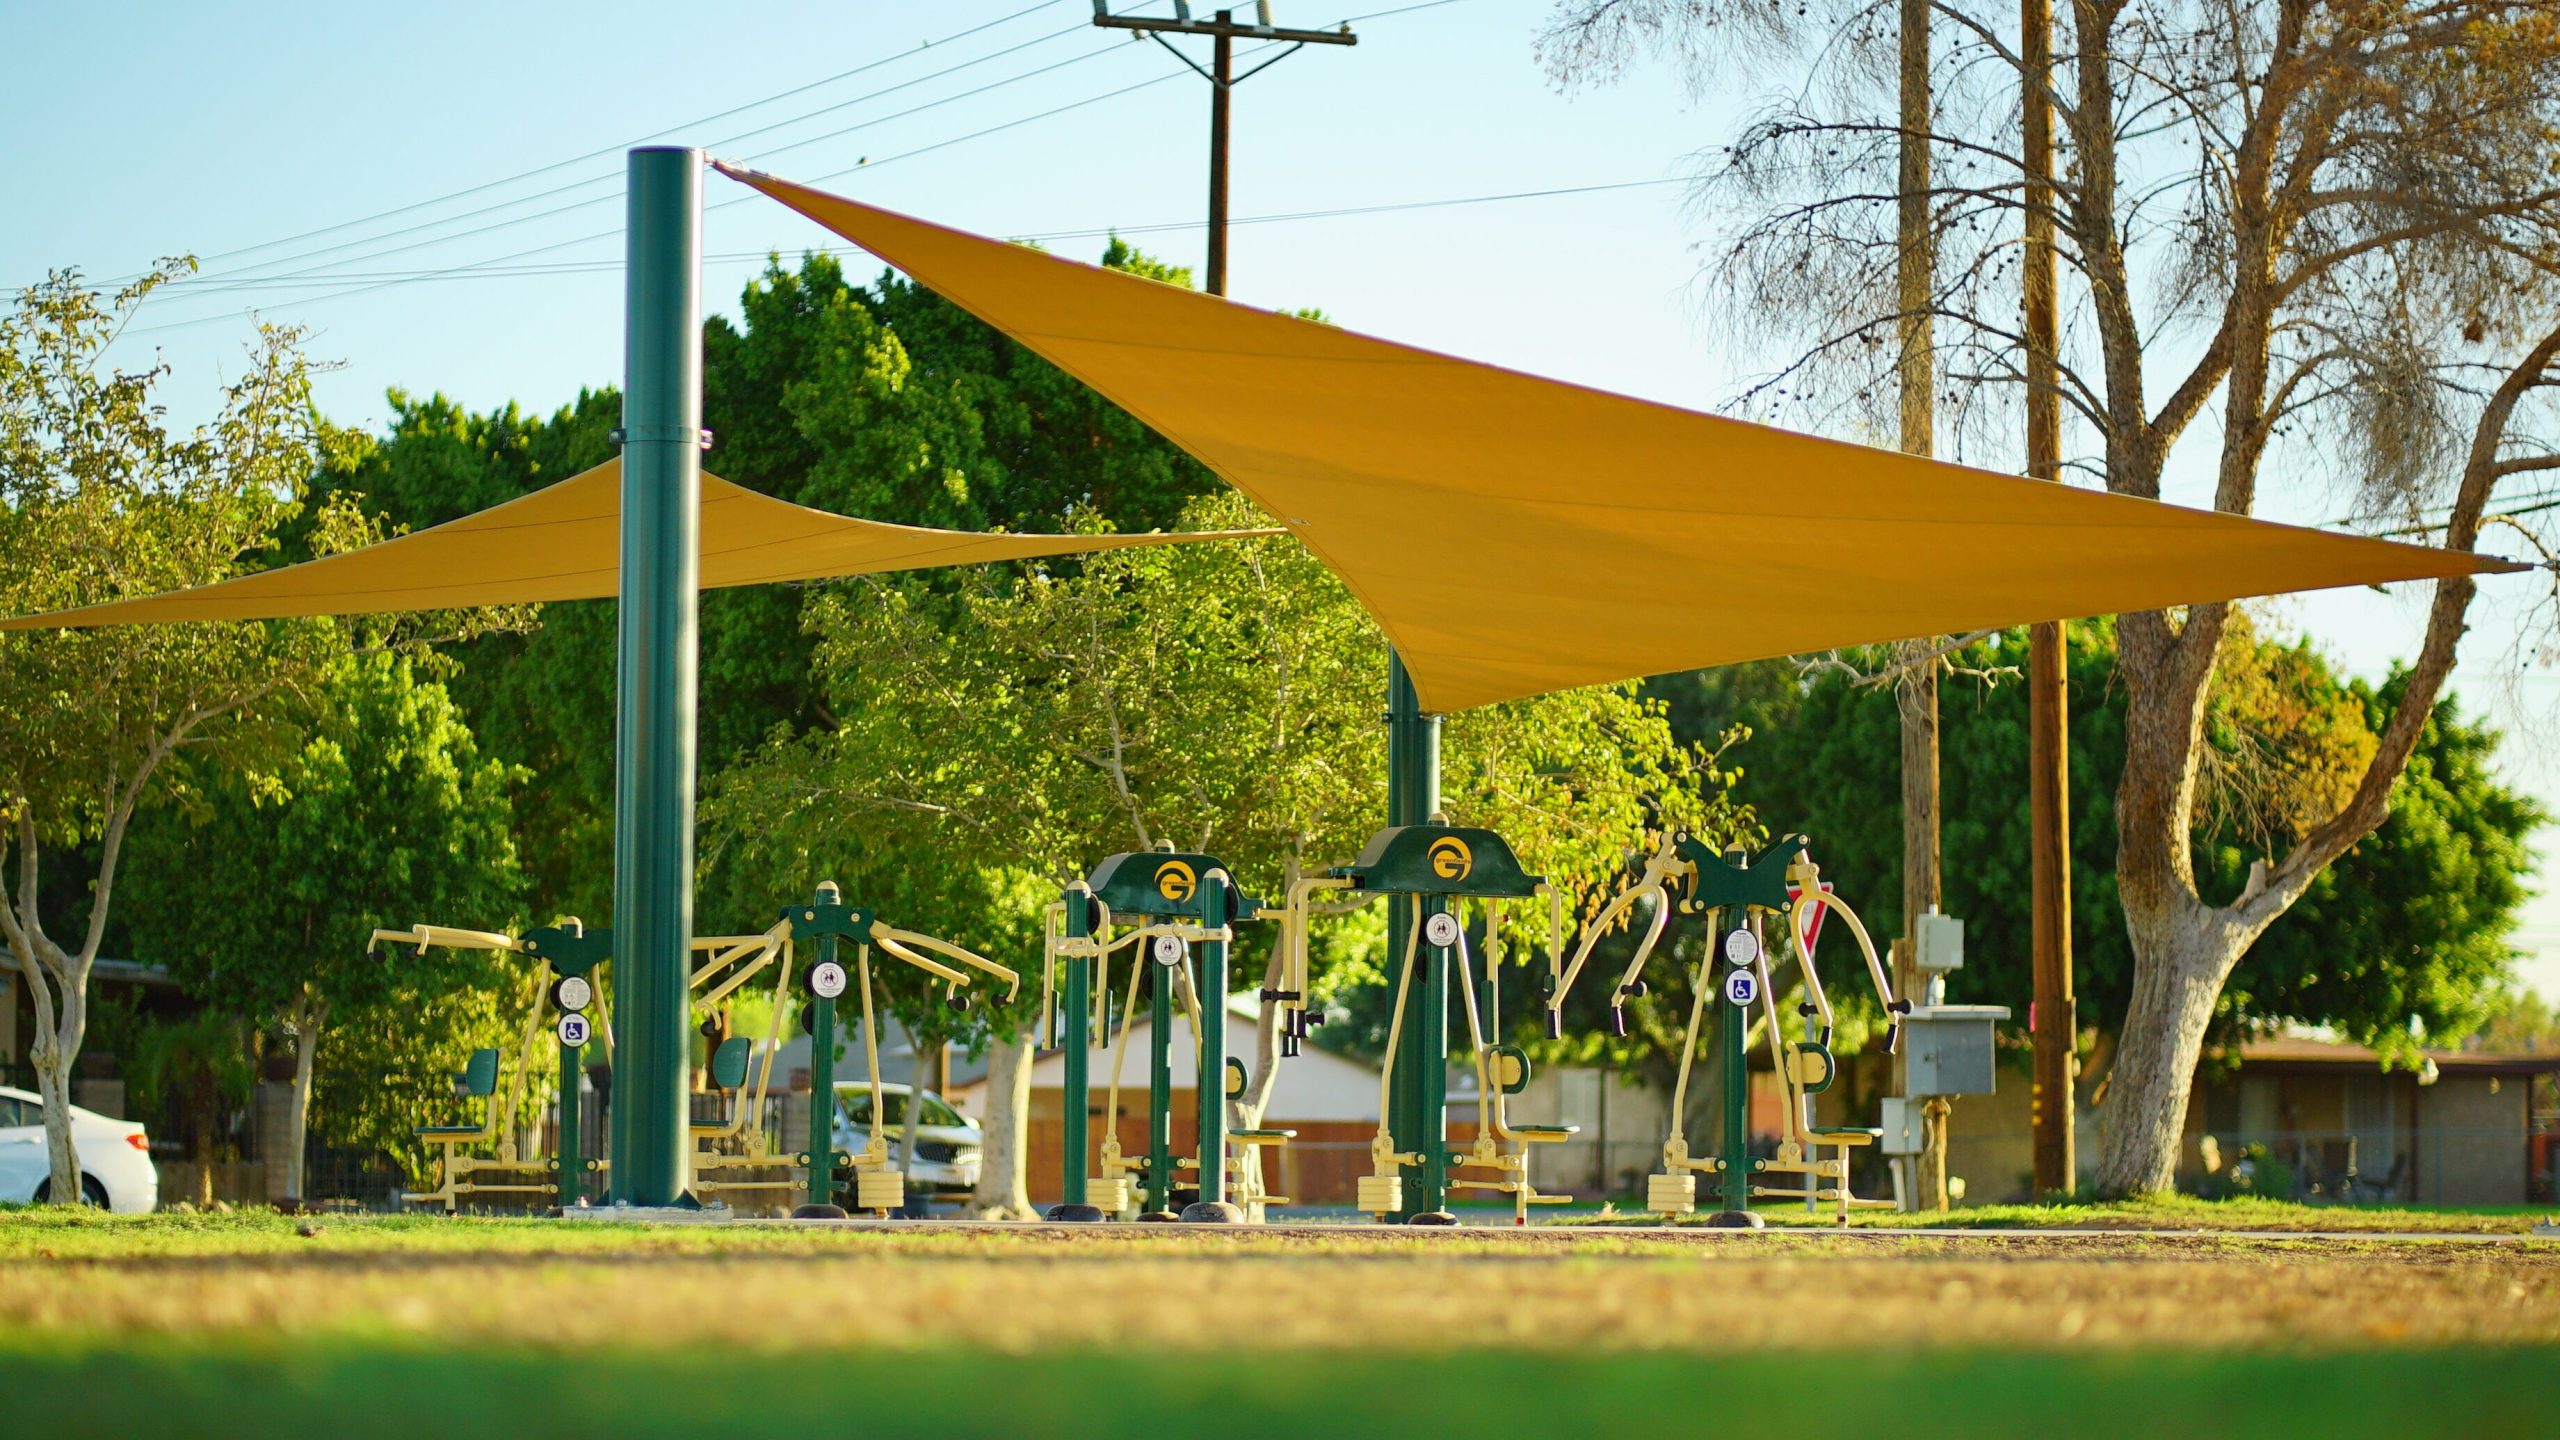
(2410, 925)
(260, 891)
(884, 401)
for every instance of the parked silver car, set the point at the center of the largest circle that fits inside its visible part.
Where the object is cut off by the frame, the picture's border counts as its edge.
(947, 1142)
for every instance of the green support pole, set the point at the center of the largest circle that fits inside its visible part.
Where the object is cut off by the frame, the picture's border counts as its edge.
(654, 712)
(822, 1088)
(1734, 1165)
(573, 953)
(570, 1164)
(1159, 1200)
(1427, 1191)
(1413, 794)
(1216, 905)
(1078, 1043)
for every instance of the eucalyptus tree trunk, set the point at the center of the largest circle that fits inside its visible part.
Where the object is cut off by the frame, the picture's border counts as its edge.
(1004, 1190)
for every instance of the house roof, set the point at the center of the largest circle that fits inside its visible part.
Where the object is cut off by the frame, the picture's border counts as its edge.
(2304, 1052)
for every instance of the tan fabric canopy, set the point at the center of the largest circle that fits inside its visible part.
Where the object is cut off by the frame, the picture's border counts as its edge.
(1516, 535)
(563, 542)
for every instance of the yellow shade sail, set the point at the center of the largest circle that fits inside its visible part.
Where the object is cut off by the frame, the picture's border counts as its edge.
(563, 542)
(1516, 535)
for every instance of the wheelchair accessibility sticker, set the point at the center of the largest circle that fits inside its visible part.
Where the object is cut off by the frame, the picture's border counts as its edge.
(1741, 987)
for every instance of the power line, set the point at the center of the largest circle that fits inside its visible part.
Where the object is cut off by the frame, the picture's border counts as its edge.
(723, 205)
(615, 176)
(218, 285)
(494, 271)
(489, 185)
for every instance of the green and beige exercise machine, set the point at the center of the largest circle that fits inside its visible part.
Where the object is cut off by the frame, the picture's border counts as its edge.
(1175, 915)
(828, 923)
(1442, 870)
(1736, 897)
(481, 1156)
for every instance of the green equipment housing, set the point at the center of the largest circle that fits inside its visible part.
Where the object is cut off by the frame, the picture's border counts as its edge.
(1187, 904)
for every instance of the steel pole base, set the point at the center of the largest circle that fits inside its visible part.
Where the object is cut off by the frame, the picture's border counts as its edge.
(1074, 1214)
(1212, 1212)
(1433, 1217)
(1736, 1220)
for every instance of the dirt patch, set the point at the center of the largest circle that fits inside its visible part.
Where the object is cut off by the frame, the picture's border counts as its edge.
(1046, 1288)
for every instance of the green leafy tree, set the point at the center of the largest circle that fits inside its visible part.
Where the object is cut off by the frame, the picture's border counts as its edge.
(261, 891)
(101, 500)
(992, 745)
(884, 401)
(2412, 923)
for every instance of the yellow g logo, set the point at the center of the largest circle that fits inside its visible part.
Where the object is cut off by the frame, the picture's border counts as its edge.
(1450, 859)
(1175, 882)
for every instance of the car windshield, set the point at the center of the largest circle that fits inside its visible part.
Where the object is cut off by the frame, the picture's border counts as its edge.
(855, 1107)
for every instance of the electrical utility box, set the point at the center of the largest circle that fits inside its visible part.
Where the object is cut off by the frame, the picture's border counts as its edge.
(1904, 1127)
(1938, 943)
(1947, 1048)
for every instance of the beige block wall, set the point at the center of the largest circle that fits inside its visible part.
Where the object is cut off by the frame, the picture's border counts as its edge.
(2471, 1141)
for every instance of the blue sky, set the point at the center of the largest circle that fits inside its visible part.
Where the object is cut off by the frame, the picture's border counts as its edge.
(143, 130)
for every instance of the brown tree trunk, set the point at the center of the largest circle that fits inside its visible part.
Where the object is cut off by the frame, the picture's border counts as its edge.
(2177, 977)
(53, 1085)
(2180, 953)
(307, 1020)
(1004, 1187)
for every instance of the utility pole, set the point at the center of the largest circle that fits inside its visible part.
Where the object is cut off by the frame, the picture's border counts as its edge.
(2056, 1022)
(1916, 689)
(1222, 80)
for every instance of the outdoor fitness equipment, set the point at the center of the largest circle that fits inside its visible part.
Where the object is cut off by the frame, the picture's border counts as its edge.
(1735, 896)
(573, 955)
(730, 965)
(1178, 901)
(828, 921)
(1437, 866)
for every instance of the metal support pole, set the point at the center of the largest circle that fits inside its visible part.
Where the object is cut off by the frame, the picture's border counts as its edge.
(571, 1164)
(2055, 1021)
(654, 735)
(1160, 1022)
(1217, 904)
(1222, 81)
(822, 1084)
(1077, 1041)
(1413, 794)
(1428, 1190)
(1733, 1149)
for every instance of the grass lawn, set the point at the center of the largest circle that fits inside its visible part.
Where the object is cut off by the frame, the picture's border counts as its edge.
(244, 1325)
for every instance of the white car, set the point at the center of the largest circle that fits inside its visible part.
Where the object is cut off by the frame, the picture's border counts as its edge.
(115, 1157)
(948, 1143)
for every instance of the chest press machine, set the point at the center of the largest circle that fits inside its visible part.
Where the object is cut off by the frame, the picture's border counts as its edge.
(1436, 869)
(1175, 914)
(1735, 896)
